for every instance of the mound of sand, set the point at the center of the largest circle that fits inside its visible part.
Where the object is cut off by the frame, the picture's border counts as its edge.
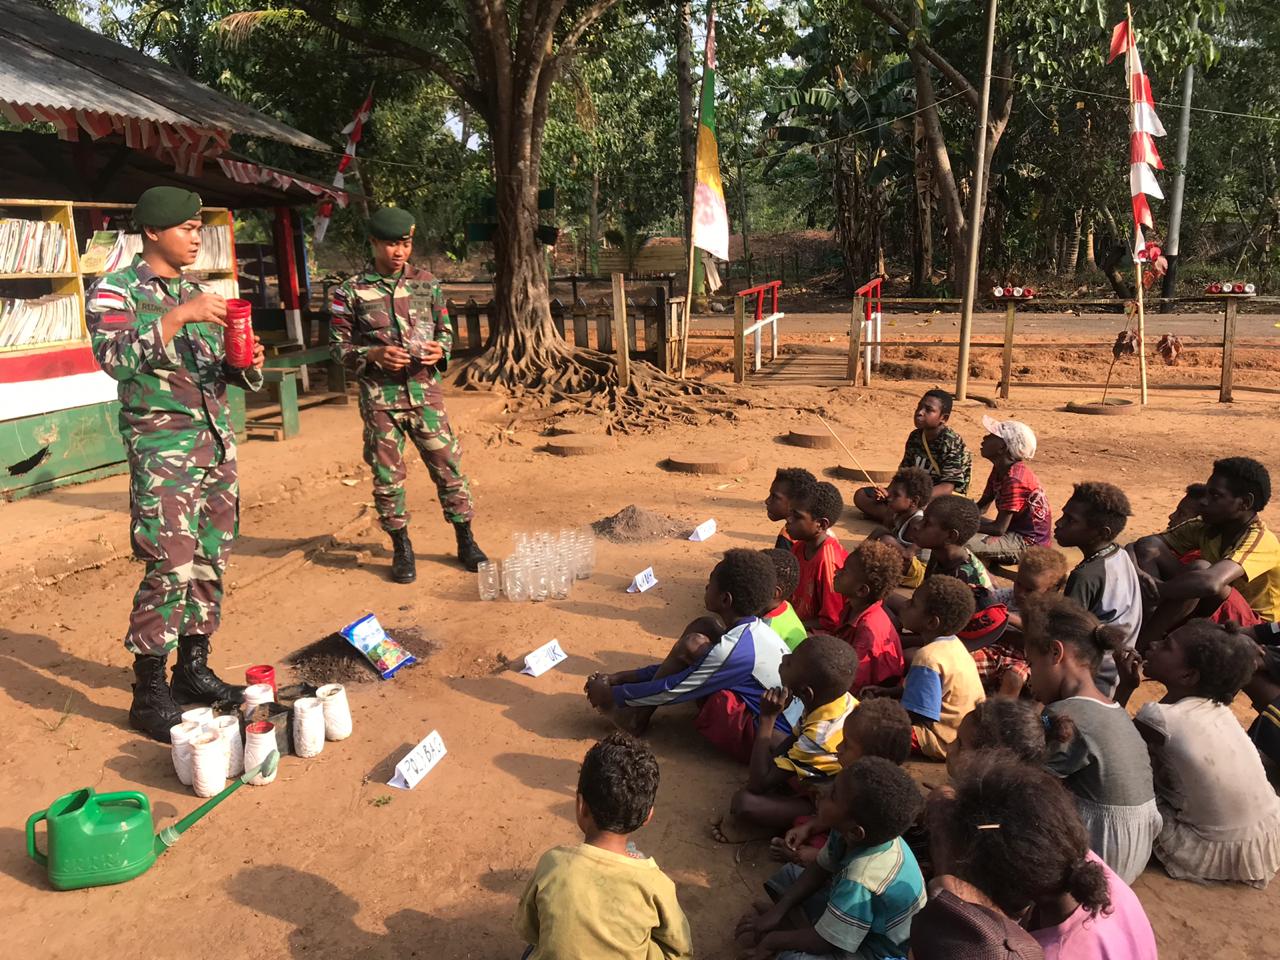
(636, 525)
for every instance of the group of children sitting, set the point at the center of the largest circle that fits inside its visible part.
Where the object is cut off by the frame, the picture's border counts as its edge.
(824, 670)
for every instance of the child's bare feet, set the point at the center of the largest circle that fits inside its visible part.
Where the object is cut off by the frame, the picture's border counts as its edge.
(727, 828)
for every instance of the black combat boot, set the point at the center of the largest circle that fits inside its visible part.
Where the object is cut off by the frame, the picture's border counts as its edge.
(469, 551)
(153, 710)
(403, 567)
(193, 681)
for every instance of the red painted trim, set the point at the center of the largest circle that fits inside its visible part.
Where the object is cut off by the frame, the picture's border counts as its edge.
(48, 364)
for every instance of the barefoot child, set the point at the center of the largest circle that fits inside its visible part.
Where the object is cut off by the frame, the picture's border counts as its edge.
(875, 728)
(781, 616)
(787, 483)
(1221, 817)
(1104, 763)
(866, 578)
(813, 513)
(1022, 516)
(730, 672)
(1239, 561)
(942, 685)
(1106, 581)
(931, 446)
(778, 782)
(1009, 829)
(909, 493)
(860, 894)
(602, 898)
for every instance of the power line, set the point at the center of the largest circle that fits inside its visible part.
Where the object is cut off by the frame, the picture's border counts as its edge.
(1176, 105)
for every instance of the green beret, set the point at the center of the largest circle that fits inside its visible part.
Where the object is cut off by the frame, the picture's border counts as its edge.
(164, 207)
(391, 223)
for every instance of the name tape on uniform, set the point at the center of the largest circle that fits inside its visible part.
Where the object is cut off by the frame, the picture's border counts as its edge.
(544, 658)
(417, 763)
(703, 531)
(642, 581)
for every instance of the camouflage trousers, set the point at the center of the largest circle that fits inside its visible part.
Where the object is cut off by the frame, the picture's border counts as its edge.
(183, 520)
(385, 432)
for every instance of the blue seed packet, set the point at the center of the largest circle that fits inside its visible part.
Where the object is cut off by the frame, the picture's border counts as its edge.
(387, 656)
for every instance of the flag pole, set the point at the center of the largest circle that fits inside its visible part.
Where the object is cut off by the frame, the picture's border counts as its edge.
(688, 288)
(1137, 262)
(688, 303)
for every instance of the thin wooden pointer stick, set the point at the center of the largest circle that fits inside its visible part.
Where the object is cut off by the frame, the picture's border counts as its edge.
(849, 452)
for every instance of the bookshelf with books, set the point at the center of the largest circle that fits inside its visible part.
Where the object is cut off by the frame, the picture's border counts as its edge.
(58, 410)
(41, 293)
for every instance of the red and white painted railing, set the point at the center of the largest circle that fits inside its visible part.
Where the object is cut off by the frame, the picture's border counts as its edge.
(760, 320)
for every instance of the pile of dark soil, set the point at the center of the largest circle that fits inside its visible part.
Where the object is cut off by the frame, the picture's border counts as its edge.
(636, 525)
(332, 659)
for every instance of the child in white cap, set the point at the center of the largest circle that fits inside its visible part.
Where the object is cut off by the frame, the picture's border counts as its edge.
(1023, 517)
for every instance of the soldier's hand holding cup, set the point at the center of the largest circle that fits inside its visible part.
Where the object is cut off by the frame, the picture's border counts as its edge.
(205, 308)
(390, 357)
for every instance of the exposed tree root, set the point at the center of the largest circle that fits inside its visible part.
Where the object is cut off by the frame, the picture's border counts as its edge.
(586, 380)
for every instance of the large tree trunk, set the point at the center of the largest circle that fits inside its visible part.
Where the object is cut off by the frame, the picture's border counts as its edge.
(1072, 260)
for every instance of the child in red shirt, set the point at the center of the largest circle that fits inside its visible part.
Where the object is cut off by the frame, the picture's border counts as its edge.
(813, 512)
(1023, 516)
(866, 578)
(788, 482)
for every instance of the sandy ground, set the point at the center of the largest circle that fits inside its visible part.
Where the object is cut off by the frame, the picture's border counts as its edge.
(329, 861)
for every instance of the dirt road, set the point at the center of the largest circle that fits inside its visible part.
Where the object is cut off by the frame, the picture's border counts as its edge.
(329, 861)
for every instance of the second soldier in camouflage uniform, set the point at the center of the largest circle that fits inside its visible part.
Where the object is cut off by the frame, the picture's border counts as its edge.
(160, 337)
(390, 328)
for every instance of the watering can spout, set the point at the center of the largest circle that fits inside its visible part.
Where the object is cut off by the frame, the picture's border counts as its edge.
(167, 837)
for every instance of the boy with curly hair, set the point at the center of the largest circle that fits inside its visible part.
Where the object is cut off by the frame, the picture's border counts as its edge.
(603, 898)
(1105, 582)
(813, 513)
(909, 493)
(867, 577)
(1239, 565)
(942, 685)
(788, 483)
(781, 777)
(857, 899)
(932, 446)
(781, 616)
(727, 671)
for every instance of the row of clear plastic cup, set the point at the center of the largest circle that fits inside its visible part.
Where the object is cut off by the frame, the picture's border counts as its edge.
(543, 566)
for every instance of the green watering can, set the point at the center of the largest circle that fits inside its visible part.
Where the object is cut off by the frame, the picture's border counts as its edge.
(95, 839)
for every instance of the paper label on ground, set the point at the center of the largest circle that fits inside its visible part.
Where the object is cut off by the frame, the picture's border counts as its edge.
(643, 581)
(703, 531)
(417, 763)
(544, 658)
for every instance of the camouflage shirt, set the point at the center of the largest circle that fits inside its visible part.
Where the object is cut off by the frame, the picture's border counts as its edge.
(371, 310)
(173, 397)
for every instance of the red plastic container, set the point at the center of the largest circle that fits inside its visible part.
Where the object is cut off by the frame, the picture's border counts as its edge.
(238, 334)
(262, 673)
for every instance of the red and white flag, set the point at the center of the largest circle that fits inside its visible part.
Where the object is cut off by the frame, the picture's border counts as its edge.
(354, 131)
(1144, 125)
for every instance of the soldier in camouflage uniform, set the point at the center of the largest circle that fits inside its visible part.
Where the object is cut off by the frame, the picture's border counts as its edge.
(160, 336)
(390, 328)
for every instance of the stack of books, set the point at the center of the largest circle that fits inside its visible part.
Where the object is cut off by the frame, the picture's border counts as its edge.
(42, 320)
(110, 250)
(34, 246)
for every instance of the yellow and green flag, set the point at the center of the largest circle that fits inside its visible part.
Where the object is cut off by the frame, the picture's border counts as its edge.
(710, 216)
